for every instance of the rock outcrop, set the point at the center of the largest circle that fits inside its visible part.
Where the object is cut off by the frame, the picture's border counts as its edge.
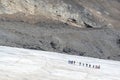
(73, 12)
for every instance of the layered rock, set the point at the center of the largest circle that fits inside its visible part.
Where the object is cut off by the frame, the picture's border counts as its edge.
(72, 12)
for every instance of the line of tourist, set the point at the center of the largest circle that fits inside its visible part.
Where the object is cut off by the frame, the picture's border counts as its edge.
(84, 64)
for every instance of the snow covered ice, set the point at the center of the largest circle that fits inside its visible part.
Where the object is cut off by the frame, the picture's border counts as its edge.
(25, 64)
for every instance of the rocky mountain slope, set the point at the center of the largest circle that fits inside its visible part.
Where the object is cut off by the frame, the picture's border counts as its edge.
(79, 27)
(96, 13)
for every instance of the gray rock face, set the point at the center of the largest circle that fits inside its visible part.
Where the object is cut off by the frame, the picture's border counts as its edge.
(70, 12)
(60, 37)
(53, 25)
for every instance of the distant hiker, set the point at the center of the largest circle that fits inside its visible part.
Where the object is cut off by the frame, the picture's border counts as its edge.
(83, 64)
(89, 65)
(97, 67)
(79, 63)
(74, 62)
(86, 65)
(70, 62)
